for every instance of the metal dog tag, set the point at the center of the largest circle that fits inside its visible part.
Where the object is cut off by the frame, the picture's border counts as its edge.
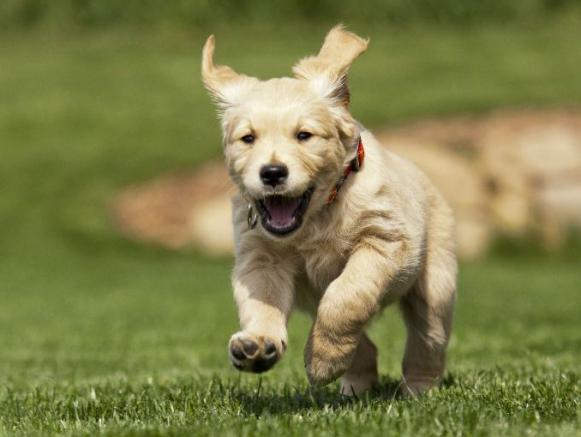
(252, 217)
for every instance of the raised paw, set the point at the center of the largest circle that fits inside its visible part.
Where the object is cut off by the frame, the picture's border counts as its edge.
(255, 353)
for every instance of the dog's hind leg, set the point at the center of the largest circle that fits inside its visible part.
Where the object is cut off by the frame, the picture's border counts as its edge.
(362, 375)
(427, 311)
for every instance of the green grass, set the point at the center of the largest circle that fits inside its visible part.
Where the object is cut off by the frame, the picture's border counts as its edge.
(138, 343)
(101, 335)
(196, 14)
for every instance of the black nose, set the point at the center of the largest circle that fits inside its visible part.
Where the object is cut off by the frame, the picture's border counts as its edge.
(273, 174)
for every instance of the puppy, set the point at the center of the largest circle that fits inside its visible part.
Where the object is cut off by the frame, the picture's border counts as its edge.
(329, 221)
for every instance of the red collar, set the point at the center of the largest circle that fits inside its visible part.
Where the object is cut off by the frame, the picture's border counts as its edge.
(353, 166)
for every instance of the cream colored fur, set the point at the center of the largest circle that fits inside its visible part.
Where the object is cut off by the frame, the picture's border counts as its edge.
(387, 238)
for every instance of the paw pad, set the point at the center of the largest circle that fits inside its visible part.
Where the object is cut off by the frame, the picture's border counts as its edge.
(253, 353)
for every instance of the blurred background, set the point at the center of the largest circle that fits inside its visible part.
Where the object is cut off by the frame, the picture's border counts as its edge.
(116, 251)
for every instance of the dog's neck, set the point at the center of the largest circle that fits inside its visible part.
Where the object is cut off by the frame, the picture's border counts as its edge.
(353, 166)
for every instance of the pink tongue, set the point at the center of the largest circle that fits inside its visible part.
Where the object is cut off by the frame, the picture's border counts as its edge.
(281, 209)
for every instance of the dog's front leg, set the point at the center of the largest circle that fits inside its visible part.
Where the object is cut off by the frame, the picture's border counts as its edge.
(349, 302)
(264, 292)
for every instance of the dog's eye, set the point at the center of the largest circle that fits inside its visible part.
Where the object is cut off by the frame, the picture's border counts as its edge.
(304, 136)
(248, 139)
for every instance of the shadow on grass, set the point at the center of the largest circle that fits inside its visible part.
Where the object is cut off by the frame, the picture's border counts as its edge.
(291, 400)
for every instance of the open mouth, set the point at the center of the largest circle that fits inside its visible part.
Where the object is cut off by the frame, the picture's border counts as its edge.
(281, 215)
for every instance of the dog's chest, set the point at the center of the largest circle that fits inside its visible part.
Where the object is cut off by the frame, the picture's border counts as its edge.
(323, 263)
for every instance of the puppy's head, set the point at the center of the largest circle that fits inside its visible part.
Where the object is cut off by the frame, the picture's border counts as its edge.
(287, 140)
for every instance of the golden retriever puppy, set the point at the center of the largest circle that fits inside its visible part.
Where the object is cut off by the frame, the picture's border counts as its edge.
(328, 220)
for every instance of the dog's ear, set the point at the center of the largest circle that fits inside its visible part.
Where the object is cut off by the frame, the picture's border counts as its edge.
(328, 70)
(225, 86)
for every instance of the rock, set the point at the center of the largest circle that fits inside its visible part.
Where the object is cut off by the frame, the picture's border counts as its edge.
(177, 210)
(531, 163)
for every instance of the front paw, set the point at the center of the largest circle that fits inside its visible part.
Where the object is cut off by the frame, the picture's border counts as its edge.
(254, 353)
(328, 357)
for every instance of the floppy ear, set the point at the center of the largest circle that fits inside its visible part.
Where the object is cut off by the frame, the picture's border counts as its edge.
(224, 85)
(328, 70)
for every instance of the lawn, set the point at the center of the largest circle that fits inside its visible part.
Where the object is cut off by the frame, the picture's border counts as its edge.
(100, 335)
